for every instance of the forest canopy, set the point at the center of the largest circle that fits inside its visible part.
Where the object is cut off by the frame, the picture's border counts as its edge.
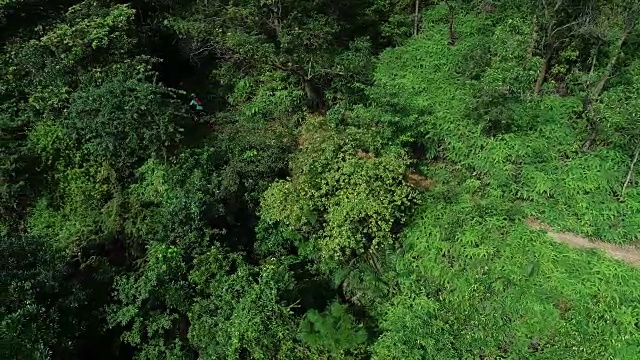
(314, 179)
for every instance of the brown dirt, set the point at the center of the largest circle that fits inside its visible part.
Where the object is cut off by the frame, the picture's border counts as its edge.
(365, 155)
(627, 253)
(304, 139)
(420, 181)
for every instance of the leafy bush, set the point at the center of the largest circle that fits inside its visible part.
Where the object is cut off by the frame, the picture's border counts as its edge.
(334, 330)
(344, 203)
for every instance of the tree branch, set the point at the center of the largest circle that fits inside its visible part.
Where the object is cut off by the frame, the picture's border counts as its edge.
(558, 4)
(546, 9)
(612, 62)
(564, 26)
(290, 69)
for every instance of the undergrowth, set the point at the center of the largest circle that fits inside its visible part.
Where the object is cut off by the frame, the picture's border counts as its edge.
(474, 281)
(536, 160)
(498, 289)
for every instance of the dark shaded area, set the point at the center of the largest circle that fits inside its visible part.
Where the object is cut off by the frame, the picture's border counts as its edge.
(22, 18)
(176, 70)
(105, 346)
(89, 278)
(311, 292)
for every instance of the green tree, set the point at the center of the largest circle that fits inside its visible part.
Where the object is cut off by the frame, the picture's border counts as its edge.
(344, 200)
(29, 325)
(335, 330)
(318, 44)
(241, 312)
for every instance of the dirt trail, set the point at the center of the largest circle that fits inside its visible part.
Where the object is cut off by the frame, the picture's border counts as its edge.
(626, 253)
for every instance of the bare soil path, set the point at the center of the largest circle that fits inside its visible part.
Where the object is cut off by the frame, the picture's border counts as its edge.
(627, 253)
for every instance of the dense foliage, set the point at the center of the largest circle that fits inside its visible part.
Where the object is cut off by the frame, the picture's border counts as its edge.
(355, 187)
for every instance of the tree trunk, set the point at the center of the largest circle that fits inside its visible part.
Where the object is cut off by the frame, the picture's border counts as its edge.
(594, 134)
(587, 106)
(594, 60)
(416, 19)
(315, 96)
(597, 91)
(452, 14)
(633, 164)
(612, 62)
(544, 68)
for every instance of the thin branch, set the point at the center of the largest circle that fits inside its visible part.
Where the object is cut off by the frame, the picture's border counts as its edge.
(196, 55)
(291, 69)
(564, 26)
(558, 4)
(546, 9)
(328, 72)
(633, 164)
